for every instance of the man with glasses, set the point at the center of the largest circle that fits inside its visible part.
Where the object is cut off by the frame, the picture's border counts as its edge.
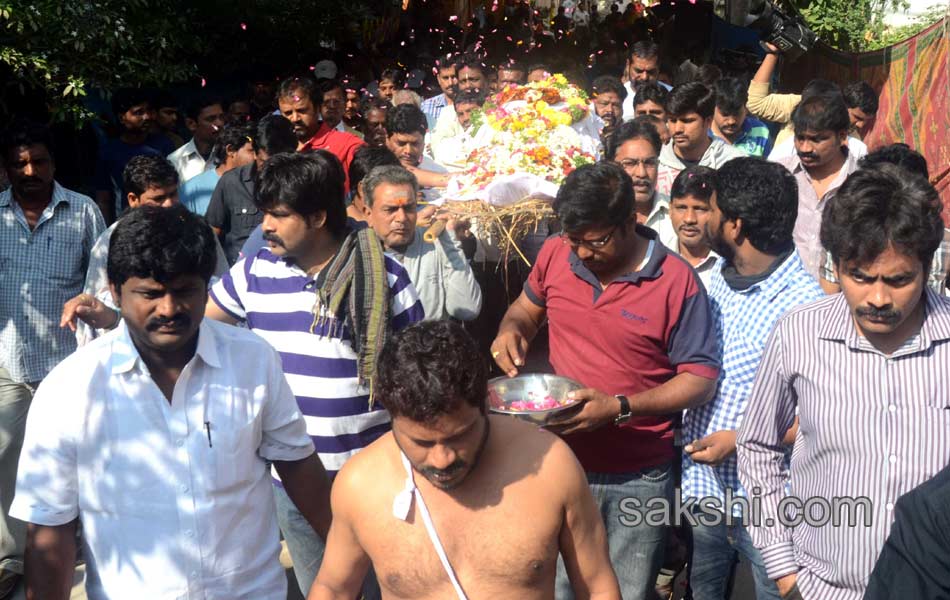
(635, 146)
(630, 320)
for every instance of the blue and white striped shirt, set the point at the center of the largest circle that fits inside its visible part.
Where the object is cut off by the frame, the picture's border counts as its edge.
(276, 300)
(744, 319)
(42, 269)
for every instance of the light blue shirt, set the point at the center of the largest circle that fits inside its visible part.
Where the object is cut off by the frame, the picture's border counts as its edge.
(195, 194)
(42, 269)
(744, 319)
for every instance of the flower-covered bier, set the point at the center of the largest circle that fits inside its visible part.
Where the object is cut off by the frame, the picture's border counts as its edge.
(527, 129)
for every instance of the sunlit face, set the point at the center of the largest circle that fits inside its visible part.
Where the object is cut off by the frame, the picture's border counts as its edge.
(819, 148)
(334, 103)
(164, 196)
(689, 132)
(689, 216)
(162, 317)
(138, 118)
(471, 79)
(730, 125)
(608, 107)
(393, 215)
(30, 170)
(300, 111)
(882, 295)
(448, 79)
(510, 77)
(407, 147)
(374, 127)
(387, 87)
(351, 110)
(861, 122)
(649, 107)
(643, 69)
(464, 113)
(641, 163)
(287, 232)
(447, 451)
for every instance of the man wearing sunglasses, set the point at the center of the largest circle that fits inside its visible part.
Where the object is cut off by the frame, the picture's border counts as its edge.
(630, 321)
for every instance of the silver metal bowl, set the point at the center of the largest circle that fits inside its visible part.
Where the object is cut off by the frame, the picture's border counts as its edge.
(504, 391)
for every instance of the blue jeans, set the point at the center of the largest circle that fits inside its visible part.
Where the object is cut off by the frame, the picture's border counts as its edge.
(306, 547)
(636, 551)
(715, 548)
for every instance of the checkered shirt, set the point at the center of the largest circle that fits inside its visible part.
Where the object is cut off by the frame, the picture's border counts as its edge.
(743, 322)
(41, 270)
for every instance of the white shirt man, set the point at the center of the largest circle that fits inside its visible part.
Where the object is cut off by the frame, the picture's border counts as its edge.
(174, 497)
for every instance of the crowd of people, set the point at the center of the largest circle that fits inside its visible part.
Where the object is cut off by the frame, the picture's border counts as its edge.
(244, 337)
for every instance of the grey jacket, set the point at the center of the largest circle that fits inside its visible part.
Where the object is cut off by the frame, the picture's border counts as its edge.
(442, 277)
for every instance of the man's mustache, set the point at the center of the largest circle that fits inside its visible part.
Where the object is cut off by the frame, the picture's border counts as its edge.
(270, 237)
(181, 320)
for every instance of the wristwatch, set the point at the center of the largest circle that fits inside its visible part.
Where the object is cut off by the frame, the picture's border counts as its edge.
(625, 412)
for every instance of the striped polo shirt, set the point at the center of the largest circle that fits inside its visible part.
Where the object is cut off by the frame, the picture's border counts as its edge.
(275, 298)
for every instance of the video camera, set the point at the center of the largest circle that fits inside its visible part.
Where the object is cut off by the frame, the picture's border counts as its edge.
(789, 34)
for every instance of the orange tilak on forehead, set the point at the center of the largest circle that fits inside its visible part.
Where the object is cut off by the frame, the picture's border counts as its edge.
(398, 196)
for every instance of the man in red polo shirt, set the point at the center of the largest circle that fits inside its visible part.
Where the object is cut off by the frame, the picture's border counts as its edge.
(299, 99)
(630, 320)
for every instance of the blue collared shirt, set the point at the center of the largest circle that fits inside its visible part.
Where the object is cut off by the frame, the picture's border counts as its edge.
(432, 108)
(41, 270)
(744, 319)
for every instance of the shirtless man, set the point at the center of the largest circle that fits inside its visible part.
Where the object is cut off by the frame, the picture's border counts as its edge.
(504, 497)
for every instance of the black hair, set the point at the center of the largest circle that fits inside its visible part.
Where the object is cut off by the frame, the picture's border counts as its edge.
(308, 184)
(470, 97)
(644, 49)
(275, 134)
(539, 67)
(593, 196)
(151, 242)
(731, 96)
(513, 65)
(233, 138)
(328, 85)
(430, 369)
(199, 103)
(691, 97)
(897, 154)
(650, 92)
(637, 129)
(821, 112)
(862, 96)
(470, 61)
(125, 98)
(406, 119)
(163, 99)
(708, 75)
(608, 83)
(880, 206)
(303, 85)
(374, 103)
(765, 196)
(367, 157)
(817, 87)
(397, 76)
(696, 181)
(24, 133)
(145, 171)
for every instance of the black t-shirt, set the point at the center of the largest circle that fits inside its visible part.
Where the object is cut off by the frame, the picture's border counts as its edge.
(232, 209)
